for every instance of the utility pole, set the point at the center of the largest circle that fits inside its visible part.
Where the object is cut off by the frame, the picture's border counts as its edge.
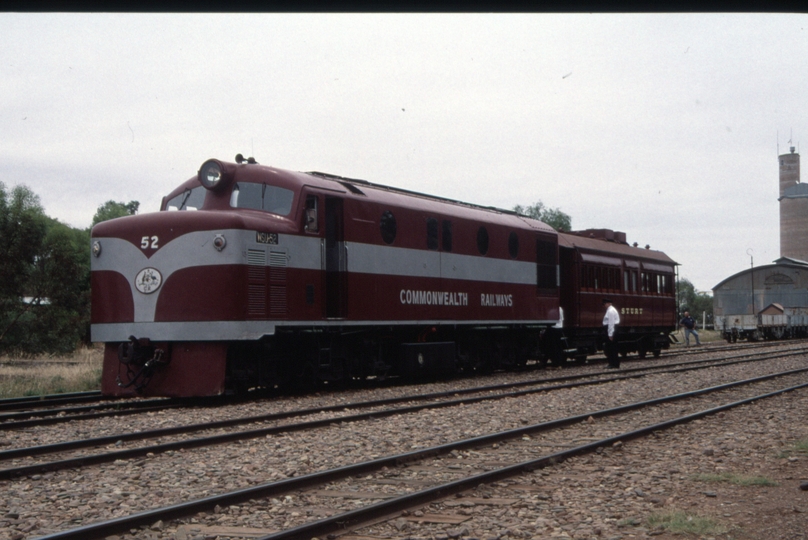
(752, 277)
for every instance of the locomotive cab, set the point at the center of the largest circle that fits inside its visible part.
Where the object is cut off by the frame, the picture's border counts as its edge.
(170, 289)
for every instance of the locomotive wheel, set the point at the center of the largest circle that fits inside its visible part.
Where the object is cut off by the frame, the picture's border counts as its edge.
(657, 352)
(552, 355)
(579, 360)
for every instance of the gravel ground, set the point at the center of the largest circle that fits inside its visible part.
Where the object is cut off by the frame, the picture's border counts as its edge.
(605, 495)
(613, 493)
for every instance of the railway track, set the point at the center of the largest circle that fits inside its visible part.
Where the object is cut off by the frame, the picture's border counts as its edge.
(404, 481)
(22, 463)
(25, 412)
(64, 400)
(51, 409)
(47, 400)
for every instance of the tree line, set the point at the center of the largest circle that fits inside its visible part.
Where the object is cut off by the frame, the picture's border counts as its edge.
(45, 275)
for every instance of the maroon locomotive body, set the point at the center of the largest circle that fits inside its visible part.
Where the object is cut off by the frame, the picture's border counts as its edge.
(255, 276)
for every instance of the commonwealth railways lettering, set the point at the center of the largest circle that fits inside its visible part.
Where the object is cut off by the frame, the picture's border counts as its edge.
(434, 298)
(496, 300)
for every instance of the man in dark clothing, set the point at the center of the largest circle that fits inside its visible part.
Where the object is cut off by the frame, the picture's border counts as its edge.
(689, 324)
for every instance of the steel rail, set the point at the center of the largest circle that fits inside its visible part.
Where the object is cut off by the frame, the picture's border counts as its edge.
(261, 432)
(41, 417)
(39, 421)
(356, 518)
(306, 531)
(8, 404)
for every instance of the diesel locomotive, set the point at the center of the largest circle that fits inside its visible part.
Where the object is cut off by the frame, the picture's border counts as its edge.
(254, 276)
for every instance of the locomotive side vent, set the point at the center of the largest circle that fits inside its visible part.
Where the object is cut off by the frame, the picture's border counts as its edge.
(278, 262)
(256, 283)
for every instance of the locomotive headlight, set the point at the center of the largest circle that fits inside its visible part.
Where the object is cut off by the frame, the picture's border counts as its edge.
(96, 248)
(211, 174)
(219, 242)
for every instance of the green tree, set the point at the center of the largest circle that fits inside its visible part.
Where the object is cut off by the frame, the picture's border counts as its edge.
(696, 302)
(60, 284)
(553, 217)
(44, 278)
(22, 227)
(112, 210)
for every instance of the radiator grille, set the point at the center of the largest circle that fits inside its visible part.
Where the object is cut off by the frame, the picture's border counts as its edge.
(277, 301)
(277, 283)
(256, 283)
(277, 268)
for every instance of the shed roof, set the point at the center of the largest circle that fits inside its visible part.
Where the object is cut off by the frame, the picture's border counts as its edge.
(783, 262)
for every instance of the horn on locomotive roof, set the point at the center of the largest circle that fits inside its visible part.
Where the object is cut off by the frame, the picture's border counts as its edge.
(240, 159)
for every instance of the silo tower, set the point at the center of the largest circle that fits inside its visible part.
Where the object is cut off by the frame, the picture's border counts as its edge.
(793, 209)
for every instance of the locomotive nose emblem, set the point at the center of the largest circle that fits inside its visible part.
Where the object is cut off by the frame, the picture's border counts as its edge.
(148, 280)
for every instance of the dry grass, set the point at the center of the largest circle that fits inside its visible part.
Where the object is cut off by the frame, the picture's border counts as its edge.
(733, 478)
(43, 375)
(685, 523)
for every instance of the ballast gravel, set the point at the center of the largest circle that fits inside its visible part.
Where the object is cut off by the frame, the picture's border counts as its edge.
(700, 470)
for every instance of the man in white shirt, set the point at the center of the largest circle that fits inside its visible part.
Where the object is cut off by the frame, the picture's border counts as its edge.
(611, 320)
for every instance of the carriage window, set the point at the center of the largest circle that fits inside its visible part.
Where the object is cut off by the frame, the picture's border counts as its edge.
(447, 235)
(666, 285)
(482, 240)
(513, 245)
(432, 233)
(190, 199)
(387, 226)
(274, 199)
(649, 282)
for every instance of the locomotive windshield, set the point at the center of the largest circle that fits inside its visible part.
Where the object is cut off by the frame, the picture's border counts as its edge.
(190, 199)
(274, 199)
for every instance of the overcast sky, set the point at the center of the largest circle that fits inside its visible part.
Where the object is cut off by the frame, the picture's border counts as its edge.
(664, 126)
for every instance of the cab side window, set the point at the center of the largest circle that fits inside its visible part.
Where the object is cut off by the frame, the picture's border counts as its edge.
(310, 216)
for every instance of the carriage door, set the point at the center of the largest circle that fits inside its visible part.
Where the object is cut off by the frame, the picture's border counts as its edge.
(335, 260)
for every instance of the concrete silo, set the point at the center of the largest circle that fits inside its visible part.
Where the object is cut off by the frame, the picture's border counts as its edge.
(793, 209)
